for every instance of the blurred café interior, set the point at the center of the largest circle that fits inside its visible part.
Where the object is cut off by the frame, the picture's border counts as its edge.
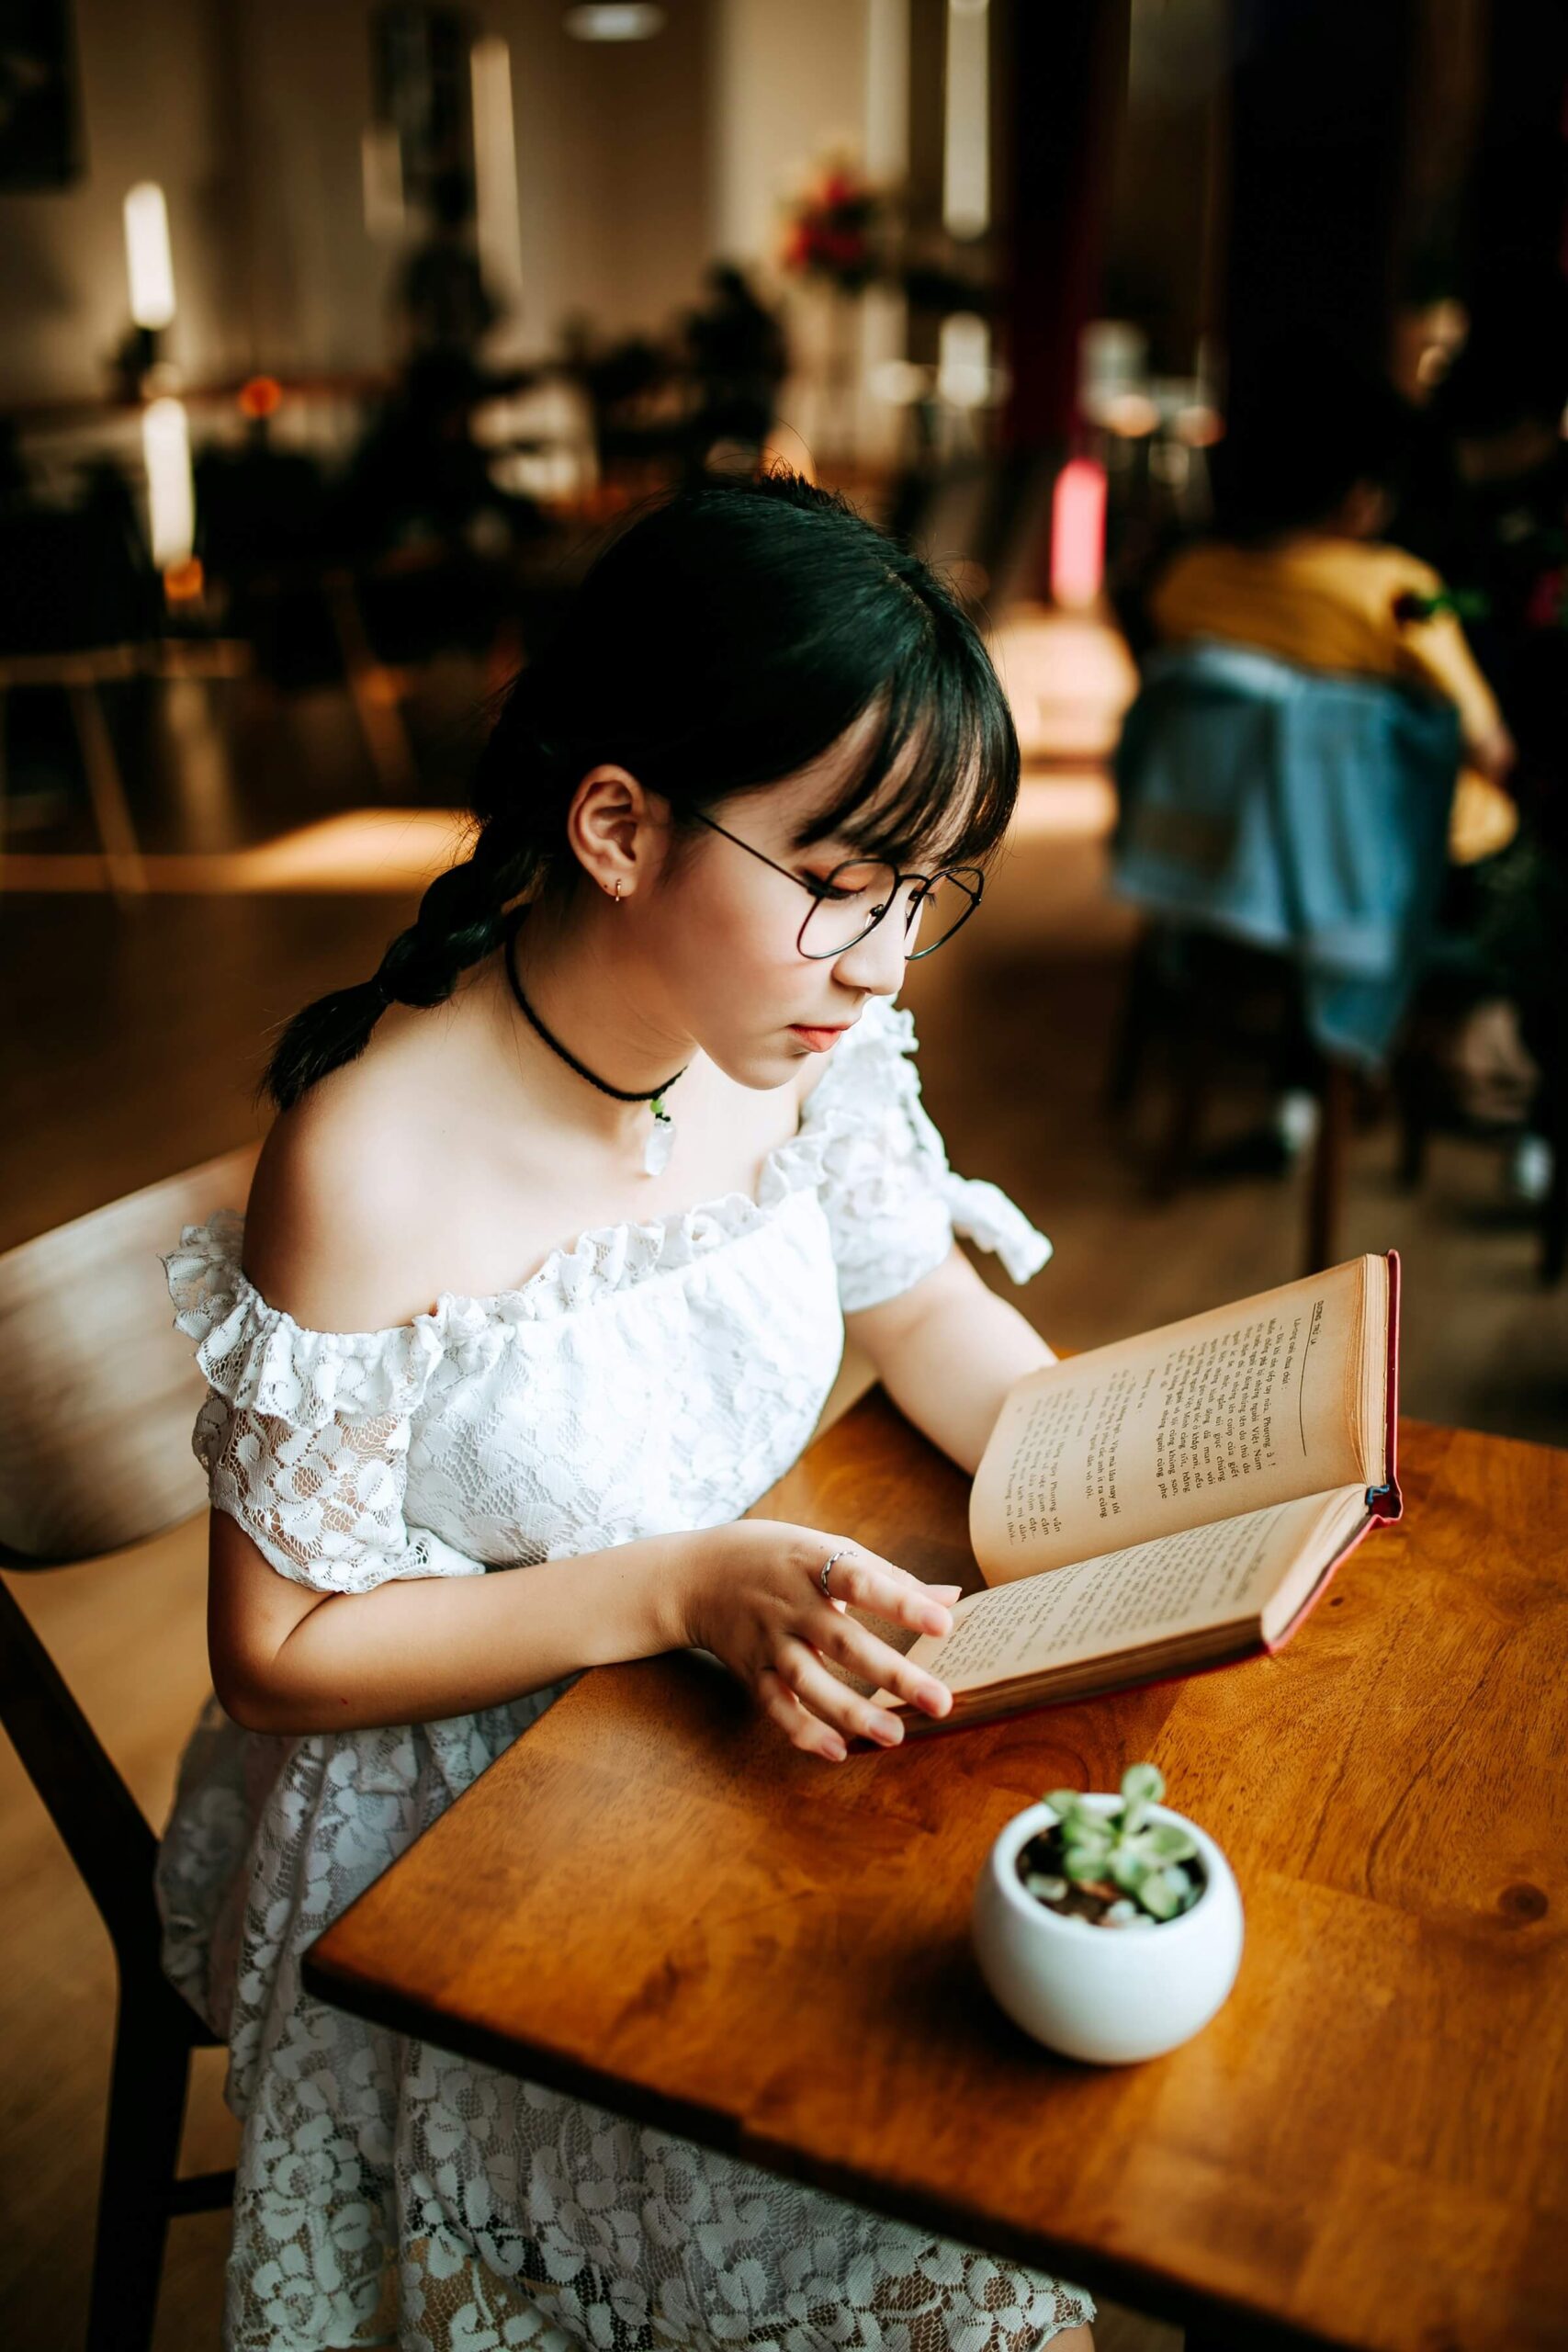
(1198, 344)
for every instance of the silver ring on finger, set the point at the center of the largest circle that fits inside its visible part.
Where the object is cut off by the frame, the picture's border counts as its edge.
(829, 1564)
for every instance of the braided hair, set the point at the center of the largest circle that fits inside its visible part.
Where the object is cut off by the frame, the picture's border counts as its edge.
(722, 640)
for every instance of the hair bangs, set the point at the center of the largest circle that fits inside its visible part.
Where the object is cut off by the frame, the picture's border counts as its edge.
(937, 782)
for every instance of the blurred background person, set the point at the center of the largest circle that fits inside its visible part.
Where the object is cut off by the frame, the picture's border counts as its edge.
(1301, 563)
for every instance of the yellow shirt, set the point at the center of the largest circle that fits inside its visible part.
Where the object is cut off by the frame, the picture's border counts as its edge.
(1328, 603)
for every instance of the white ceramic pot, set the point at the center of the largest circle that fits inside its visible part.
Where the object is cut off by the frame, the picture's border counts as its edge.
(1106, 1994)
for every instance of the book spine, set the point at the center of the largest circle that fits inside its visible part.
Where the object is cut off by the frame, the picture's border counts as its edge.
(1385, 1502)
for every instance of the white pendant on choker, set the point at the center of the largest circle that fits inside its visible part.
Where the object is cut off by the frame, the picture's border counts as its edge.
(661, 1139)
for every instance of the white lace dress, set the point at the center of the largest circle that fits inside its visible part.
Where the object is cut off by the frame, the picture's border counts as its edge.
(653, 1377)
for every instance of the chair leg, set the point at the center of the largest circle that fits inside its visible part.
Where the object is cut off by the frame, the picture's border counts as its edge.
(122, 857)
(1190, 1079)
(375, 706)
(142, 2141)
(1326, 1189)
(1413, 1099)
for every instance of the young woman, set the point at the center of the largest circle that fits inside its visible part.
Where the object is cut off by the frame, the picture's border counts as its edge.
(547, 1266)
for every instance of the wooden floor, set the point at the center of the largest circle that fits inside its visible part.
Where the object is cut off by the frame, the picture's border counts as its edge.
(133, 1045)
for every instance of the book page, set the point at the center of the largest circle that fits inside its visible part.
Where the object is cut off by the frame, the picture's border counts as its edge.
(1229, 1412)
(1131, 1598)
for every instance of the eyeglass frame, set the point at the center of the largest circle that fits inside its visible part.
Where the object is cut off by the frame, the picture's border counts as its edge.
(818, 893)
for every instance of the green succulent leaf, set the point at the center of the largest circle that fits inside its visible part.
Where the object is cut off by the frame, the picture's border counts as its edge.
(1128, 1868)
(1179, 1890)
(1143, 1780)
(1080, 1863)
(1155, 1895)
(1163, 1839)
(1134, 1817)
(1064, 1802)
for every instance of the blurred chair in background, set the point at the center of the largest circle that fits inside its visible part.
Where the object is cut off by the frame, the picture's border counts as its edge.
(1299, 821)
(79, 610)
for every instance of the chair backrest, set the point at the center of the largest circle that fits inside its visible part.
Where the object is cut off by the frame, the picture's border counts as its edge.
(98, 1392)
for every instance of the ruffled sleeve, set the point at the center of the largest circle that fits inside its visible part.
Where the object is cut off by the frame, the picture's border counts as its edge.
(893, 1203)
(304, 1435)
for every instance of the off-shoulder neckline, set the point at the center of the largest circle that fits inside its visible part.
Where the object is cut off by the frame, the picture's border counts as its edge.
(212, 1290)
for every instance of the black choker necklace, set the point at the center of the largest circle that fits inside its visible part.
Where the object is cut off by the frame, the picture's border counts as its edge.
(662, 1141)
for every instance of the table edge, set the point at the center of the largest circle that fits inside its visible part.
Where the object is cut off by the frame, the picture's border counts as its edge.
(1157, 2294)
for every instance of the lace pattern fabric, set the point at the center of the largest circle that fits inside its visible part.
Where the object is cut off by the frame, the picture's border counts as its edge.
(652, 1377)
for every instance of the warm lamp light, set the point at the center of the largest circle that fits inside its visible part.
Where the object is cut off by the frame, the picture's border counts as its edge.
(183, 583)
(966, 156)
(261, 397)
(171, 493)
(963, 360)
(497, 222)
(1133, 415)
(615, 20)
(149, 262)
(1078, 534)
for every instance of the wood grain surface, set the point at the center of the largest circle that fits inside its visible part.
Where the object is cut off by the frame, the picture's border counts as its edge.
(652, 1902)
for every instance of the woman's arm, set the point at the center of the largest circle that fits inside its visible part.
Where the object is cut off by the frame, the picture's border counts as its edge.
(286, 1659)
(290, 1660)
(947, 1350)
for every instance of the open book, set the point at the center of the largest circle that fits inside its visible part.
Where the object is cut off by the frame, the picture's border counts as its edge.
(1177, 1500)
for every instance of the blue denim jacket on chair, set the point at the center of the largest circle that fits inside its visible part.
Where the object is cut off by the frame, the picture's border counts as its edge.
(1297, 810)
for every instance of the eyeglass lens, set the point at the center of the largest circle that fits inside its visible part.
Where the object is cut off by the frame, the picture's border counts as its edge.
(855, 896)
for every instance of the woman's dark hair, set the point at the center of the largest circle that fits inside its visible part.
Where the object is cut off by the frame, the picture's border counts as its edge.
(725, 638)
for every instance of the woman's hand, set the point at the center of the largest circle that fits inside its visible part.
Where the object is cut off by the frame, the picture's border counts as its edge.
(754, 1598)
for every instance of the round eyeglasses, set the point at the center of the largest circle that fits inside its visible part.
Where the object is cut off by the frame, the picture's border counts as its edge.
(848, 903)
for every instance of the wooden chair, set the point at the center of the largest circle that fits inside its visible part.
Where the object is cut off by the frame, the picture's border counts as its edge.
(97, 1397)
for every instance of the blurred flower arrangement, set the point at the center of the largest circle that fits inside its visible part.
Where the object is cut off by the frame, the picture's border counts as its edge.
(843, 233)
(837, 230)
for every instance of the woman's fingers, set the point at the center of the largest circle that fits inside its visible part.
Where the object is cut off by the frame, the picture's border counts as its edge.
(800, 1670)
(802, 1729)
(862, 1580)
(865, 1582)
(878, 1663)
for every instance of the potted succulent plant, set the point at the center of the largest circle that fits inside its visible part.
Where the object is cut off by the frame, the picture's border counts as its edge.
(1107, 1926)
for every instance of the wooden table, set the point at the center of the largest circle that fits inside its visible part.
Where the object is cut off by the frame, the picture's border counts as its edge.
(651, 1901)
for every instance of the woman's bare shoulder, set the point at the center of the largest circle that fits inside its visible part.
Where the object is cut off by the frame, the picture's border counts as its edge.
(341, 1202)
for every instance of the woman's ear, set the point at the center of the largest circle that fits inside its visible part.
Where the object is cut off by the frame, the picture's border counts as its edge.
(617, 830)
